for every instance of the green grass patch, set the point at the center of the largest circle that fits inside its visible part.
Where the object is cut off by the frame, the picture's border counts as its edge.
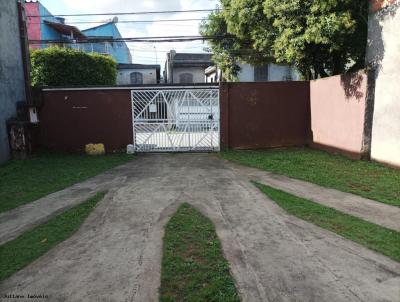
(370, 235)
(193, 265)
(23, 181)
(367, 179)
(18, 253)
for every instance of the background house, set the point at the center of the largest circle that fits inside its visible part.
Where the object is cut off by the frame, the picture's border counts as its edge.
(186, 67)
(248, 73)
(213, 74)
(118, 50)
(267, 73)
(137, 74)
(48, 27)
(12, 81)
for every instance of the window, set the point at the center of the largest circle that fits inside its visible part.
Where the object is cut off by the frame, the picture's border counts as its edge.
(136, 78)
(186, 78)
(260, 73)
(288, 74)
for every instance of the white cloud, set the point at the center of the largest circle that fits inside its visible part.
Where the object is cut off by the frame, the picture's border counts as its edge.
(145, 52)
(100, 6)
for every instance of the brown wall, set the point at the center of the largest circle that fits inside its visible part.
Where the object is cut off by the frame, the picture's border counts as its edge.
(70, 119)
(263, 115)
(328, 114)
(337, 113)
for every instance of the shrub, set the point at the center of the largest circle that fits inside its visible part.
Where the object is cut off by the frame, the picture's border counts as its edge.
(57, 66)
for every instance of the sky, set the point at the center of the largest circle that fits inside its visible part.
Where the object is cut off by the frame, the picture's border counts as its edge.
(144, 53)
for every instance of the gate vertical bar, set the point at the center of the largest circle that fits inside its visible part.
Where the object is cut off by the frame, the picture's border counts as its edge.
(133, 122)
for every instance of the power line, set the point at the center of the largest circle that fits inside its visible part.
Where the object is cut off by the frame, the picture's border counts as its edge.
(129, 21)
(148, 50)
(130, 13)
(136, 39)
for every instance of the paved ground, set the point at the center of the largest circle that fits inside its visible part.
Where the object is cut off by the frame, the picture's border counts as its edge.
(116, 254)
(18, 220)
(162, 139)
(370, 210)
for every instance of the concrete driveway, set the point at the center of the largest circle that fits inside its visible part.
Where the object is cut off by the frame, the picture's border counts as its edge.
(116, 254)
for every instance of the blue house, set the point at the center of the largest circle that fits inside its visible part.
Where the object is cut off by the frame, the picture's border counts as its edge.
(50, 28)
(43, 26)
(119, 50)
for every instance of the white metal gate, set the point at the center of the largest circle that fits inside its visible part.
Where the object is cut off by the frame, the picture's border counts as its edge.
(176, 119)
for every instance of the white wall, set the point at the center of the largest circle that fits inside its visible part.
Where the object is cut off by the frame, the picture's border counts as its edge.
(384, 54)
(282, 73)
(213, 77)
(124, 76)
(246, 73)
(197, 72)
(276, 72)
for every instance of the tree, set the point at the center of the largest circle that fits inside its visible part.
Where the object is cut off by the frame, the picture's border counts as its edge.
(236, 47)
(224, 50)
(319, 37)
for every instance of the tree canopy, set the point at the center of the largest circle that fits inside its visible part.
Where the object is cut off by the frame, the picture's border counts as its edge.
(319, 37)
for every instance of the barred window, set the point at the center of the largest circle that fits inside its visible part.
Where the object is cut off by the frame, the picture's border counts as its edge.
(261, 73)
(136, 78)
(186, 78)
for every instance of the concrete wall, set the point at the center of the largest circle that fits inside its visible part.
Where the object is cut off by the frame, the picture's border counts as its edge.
(264, 115)
(197, 72)
(124, 76)
(70, 119)
(337, 107)
(12, 83)
(383, 54)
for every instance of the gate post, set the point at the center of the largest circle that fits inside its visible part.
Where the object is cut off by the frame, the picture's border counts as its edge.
(224, 115)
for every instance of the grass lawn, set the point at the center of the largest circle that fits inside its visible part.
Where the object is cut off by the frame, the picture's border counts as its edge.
(193, 265)
(370, 235)
(18, 253)
(22, 181)
(367, 179)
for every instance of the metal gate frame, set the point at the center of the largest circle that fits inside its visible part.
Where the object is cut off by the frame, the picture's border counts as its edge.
(176, 119)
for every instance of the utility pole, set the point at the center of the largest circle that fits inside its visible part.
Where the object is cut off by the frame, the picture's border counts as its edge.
(26, 63)
(155, 49)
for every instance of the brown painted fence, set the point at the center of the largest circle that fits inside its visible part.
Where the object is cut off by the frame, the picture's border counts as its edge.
(331, 114)
(264, 115)
(70, 119)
